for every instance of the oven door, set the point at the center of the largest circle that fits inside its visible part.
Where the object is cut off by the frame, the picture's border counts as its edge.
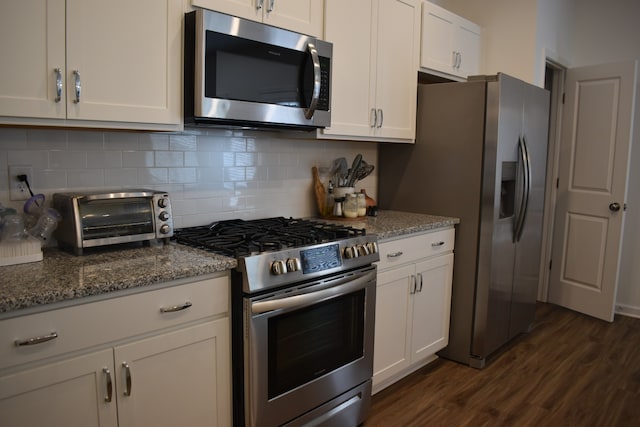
(308, 345)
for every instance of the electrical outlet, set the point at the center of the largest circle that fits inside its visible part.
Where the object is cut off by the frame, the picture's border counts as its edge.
(17, 189)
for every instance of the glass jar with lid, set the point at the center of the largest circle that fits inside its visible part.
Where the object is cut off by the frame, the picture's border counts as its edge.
(361, 204)
(350, 207)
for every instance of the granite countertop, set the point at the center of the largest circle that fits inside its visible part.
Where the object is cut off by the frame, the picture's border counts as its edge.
(394, 224)
(63, 277)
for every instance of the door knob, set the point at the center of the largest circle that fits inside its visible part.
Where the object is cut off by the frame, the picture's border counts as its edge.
(614, 207)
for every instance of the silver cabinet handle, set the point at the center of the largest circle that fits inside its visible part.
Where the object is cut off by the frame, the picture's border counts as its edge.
(381, 117)
(419, 282)
(454, 58)
(107, 374)
(78, 86)
(175, 308)
(437, 244)
(58, 72)
(259, 4)
(308, 112)
(36, 340)
(272, 5)
(373, 118)
(459, 60)
(395, 254)
(413, 285)
(127, 375)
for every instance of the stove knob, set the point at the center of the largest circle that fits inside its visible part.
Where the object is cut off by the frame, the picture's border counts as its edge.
(164, 215)
(351, 252)
(362, 250)
(373, 247)
(293, 264)
(165, 229)
(278, 267)
(163, 203)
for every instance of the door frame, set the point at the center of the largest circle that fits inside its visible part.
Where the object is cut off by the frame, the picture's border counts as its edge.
(555, 75)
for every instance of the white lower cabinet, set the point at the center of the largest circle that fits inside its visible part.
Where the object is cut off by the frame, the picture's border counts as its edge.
(177, 373)
(413, 303)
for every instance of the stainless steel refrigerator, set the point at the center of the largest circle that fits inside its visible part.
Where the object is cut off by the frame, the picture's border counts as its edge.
(480, 155)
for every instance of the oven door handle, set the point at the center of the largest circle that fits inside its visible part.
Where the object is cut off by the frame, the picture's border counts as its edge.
(312, 297)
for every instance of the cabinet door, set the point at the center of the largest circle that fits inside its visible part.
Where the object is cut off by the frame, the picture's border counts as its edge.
(467, 42)
(128, 57)
(351, 97)
(302, 16)
(397, 68)
(438, 27)
(431, 306)
(70, 393)
(178, 378)
(393, 310)
(32, 47)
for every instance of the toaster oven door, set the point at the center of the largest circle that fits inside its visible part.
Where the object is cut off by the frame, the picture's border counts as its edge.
(107, 221)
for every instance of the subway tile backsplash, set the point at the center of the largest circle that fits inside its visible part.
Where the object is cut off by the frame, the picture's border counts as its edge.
(211, 174)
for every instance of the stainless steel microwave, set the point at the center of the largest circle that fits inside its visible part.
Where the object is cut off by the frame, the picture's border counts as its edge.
(241, 73)
(96, 219)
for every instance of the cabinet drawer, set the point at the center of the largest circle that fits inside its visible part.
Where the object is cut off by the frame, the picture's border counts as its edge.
(413, 248)
(86, 325)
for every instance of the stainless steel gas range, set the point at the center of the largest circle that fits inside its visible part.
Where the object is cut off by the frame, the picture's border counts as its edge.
(303, 304)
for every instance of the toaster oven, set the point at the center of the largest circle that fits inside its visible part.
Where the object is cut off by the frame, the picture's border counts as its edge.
(95, 219)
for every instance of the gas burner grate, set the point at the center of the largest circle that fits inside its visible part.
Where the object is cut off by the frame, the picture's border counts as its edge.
(242, 238)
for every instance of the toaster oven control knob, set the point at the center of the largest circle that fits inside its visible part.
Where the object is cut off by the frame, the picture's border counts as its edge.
(351, 252)
(162, 202)
(164, 215)
(165, 229)
(293, 264)
(278, 267)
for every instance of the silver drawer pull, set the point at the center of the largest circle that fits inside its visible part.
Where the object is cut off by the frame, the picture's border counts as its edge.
(175, 308)
(395, 254)
(437, 244)
(36, 340)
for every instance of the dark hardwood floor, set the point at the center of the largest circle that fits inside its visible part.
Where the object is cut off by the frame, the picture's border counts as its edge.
(570, 370)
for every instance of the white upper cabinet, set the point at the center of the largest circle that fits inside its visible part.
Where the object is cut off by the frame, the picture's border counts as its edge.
(374, 79)
(450, 43)
(91, 63)
(302, 16)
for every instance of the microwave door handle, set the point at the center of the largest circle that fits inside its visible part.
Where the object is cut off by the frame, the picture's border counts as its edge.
(308, 112)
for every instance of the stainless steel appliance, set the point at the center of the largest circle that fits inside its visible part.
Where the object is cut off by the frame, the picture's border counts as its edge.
(93, 219)
(248, 74)
(303, 307)
(480, 155)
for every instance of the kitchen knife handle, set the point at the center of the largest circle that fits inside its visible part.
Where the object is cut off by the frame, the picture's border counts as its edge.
(58, 72)
(78, 86)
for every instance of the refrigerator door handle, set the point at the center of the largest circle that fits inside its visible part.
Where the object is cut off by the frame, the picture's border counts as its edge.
(526, 188)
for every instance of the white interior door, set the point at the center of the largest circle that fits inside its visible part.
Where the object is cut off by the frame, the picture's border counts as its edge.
(593, 168)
